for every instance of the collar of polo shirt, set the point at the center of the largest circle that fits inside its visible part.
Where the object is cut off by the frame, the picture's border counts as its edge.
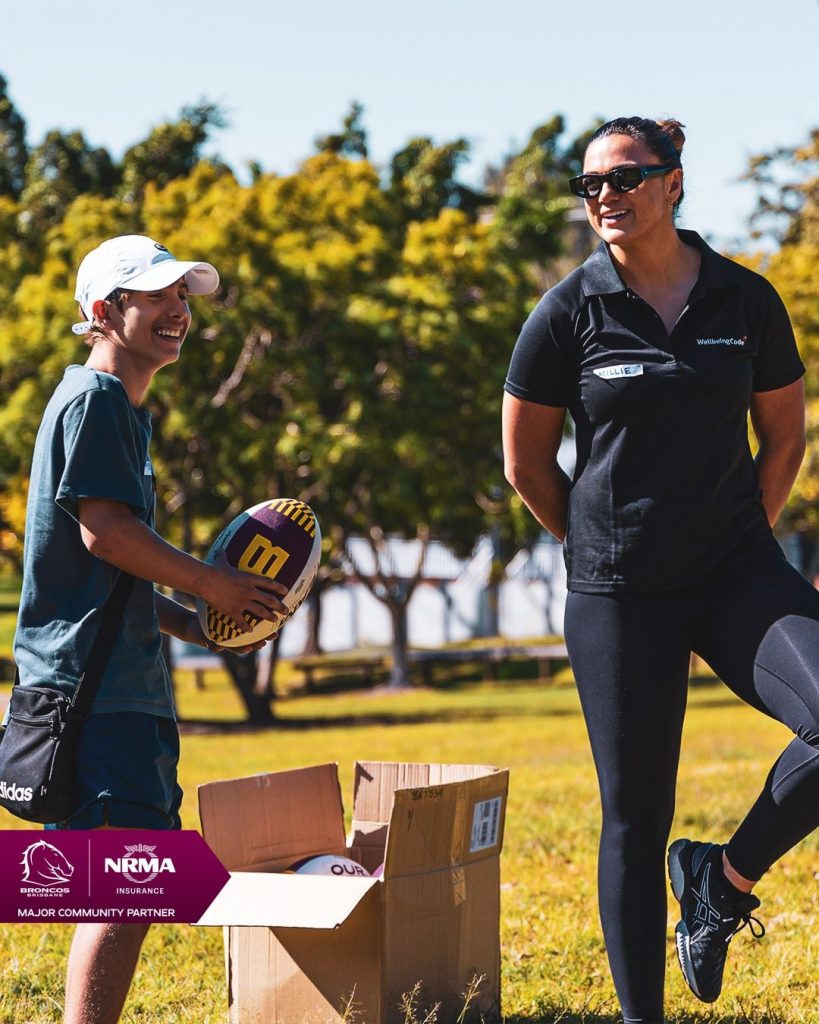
(600, 275)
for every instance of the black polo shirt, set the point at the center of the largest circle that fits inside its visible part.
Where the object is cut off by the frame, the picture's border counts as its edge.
(665, 486)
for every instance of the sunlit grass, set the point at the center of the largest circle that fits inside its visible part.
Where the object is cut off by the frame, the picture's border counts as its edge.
(553, 956)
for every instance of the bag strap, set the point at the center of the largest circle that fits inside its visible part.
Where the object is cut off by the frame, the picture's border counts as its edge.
(112, 614)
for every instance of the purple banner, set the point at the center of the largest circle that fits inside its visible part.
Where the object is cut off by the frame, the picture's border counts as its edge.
(117, 875)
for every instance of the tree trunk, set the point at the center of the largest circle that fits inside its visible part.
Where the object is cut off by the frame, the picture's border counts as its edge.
(312, 645)
(243, 671)
(266, 661)
(399, 675)
(491, 625)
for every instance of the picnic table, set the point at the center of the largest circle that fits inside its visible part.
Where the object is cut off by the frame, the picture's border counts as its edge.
(373, 667)
(315, 667)
(492, 657)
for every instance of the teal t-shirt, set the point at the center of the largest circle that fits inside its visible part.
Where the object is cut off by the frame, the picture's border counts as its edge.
(92, 443)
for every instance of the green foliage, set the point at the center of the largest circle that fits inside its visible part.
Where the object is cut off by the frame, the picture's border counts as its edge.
(170, 151)
(427, 451)
(13, 148)
(63, 167)
(35, 338)
(351, 140)
(423, 179)
(788, 180)
(533, 198)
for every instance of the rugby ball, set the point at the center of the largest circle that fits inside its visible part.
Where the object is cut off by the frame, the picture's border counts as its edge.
(329, 864)
(279, 539)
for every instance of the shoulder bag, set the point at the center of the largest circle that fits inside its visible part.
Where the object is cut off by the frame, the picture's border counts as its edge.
(38, 747)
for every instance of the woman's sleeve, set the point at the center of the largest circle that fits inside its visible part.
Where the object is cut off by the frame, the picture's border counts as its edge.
(777, 361)
(543, 366)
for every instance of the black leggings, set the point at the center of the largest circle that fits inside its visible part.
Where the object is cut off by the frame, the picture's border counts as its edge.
(757, 626)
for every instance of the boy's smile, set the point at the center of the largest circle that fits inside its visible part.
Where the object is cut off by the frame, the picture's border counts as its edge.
(154, 324)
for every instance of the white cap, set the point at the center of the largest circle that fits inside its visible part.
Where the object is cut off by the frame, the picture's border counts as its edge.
(136, 263)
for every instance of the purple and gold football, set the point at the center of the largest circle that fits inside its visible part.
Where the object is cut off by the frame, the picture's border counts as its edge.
(279, 539)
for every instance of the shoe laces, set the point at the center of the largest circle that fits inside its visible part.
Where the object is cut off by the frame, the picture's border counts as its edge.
(756, 927)
(742, 918)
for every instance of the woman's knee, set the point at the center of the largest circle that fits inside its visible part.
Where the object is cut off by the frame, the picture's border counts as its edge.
(639, 836)
(786, 675)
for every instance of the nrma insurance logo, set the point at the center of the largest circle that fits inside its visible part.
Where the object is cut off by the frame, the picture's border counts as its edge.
(46, 870)
(139, 865)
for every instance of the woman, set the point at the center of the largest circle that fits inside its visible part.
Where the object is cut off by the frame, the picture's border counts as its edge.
(658, 347)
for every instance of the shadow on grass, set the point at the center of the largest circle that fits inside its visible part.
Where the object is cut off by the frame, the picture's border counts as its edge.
(373, 719)
(560, 1015)
(554, 1015)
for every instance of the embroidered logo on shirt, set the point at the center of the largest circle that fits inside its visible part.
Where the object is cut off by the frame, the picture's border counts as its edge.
(149, 469)
(619, 370)
(724, 341)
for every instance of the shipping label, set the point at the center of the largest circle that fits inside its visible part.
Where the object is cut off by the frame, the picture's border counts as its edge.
(485, 824)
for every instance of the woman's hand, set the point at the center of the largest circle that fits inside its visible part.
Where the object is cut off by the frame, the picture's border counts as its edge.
(778, 419)
(531, 438)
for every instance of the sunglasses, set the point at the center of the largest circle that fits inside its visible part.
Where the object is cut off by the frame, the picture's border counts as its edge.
(621, 179)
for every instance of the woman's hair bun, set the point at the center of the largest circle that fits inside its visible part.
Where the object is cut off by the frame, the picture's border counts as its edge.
(674, 130)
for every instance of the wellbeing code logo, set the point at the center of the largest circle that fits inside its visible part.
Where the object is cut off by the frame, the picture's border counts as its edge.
(730, 342)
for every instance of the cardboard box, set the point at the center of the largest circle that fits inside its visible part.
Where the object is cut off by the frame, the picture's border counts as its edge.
(300, 948)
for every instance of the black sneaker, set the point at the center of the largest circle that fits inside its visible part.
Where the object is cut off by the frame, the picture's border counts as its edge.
(710, 915)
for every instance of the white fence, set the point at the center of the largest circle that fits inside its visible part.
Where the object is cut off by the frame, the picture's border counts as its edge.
(443, 610)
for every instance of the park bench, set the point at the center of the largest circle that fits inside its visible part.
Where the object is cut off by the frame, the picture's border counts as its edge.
(317, 667)
(544, 654)
(491, 658)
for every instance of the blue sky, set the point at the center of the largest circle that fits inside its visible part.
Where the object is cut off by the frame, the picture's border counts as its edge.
(742, 75)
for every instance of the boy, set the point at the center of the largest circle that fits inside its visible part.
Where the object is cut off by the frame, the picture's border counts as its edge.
(90, 514)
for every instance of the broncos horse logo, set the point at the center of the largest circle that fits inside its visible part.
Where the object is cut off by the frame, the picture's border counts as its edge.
(44, 865)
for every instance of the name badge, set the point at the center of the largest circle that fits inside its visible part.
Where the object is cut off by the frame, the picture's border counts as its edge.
(620, 370)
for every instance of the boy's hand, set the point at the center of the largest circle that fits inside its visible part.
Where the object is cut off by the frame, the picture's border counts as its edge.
(193, 635)
(234, 592)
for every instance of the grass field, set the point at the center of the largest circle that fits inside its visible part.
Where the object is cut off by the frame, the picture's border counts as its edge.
(554, 966)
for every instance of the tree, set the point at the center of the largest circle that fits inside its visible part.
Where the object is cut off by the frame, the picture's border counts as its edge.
(788, 211)
(248, 412)
(170, 151)
(36, 343)
(419, 449)
(787, 181)
(351, 141)
(63, 167)
(423, 179)
(334, 367)
(13, 147)
(531, 193)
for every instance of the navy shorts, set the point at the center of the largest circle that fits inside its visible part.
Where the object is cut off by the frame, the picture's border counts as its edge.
(126, 773)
